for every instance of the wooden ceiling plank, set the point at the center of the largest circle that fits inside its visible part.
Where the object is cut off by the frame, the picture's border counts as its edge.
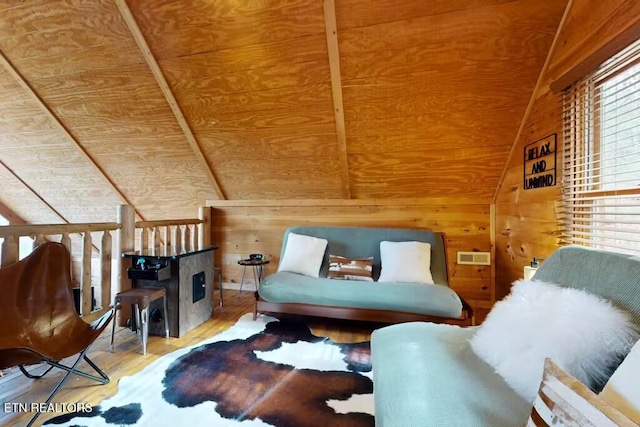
(8, 66)
(331, 30)
(164, 86)
(532, 100)
(384, 11)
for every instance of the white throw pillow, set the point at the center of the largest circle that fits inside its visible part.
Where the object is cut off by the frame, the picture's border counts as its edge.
(303, 255)
(405, 262)
(584, 334)
(622, 390)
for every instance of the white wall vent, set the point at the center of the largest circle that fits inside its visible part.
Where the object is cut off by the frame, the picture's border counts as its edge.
(474, 258)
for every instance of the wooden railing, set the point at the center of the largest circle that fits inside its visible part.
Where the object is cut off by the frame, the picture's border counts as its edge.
(43, 233)
(177, 235)
(180, 235)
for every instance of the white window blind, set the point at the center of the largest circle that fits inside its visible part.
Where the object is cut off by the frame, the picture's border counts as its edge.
(601, 156)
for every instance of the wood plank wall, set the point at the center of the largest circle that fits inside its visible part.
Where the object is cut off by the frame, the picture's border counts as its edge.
(244, 227)
(527, 220)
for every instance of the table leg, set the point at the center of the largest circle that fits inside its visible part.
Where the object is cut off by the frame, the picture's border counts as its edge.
(220, 286)
(255, 276)
(138, 321)
(166, 317)
(244, 268)
(145, 329)
(113, 324)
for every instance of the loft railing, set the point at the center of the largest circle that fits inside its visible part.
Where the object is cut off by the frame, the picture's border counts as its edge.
(179, 235)
(62, 233)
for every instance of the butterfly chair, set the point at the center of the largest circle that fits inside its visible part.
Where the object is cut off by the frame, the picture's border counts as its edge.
(39, 322)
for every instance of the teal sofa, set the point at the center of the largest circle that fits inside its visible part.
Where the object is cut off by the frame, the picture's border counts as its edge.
(426, 375)
(285, 292)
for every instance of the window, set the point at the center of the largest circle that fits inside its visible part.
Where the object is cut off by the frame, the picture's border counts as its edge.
(601, 176)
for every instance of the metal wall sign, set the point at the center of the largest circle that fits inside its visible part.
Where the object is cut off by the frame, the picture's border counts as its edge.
(540, 162)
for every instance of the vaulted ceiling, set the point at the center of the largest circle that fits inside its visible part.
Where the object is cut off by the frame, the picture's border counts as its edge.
(164, 104)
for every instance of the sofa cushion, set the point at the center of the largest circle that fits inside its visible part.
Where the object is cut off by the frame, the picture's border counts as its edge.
(584, 334)
(350, 268)
(435, 300)
(361, 242)
(304, 255)
(408, 262)
(425, 375)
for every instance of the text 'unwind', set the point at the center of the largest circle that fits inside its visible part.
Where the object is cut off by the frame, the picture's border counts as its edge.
(540, 163)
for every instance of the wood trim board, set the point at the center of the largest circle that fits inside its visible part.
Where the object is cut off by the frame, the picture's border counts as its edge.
(592, 61)
(349, 313)
(447, 201)
(331, 30)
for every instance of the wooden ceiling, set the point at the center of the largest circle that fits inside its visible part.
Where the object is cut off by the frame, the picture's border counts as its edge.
(398, 98)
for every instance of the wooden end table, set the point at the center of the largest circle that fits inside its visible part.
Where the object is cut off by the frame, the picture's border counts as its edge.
(258, 265)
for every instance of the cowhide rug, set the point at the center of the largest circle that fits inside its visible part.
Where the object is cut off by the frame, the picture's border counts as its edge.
(262, 373)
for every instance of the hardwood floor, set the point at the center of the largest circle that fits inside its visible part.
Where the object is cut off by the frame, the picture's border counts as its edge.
(127, 359)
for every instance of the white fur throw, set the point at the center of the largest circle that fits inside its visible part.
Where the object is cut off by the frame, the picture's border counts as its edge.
(584, 334)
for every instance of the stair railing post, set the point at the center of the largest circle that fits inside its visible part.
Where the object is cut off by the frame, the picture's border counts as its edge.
(204, 232)
(126, 217)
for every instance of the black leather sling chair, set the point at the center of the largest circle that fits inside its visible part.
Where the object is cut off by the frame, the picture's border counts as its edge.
(38, 319)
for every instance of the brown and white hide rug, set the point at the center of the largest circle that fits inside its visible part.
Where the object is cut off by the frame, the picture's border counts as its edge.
(257, 373)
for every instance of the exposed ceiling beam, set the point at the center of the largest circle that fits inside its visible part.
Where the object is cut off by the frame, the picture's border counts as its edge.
(34, 192)
(19, 220)
(331, 31)
(532, 100)
(168, 94)
(4, 61)
(10, 216)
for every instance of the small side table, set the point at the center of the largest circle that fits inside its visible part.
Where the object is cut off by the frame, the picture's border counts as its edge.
(258, 265)
(141, 298)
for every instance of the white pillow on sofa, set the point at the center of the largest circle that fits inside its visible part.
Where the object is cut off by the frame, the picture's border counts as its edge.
(405, 262)
(303, 255)
(584, 334)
